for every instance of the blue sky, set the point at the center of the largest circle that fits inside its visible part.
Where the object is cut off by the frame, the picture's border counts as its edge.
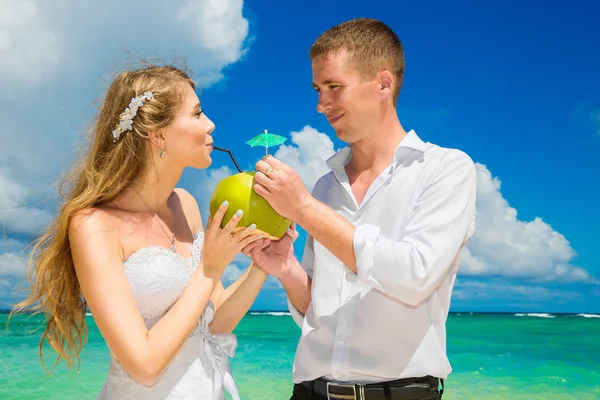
(513, 85)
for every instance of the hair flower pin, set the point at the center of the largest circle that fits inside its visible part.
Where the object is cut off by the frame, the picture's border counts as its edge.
(126, 118)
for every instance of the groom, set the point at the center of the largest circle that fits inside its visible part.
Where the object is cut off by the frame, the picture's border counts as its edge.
(385, 227)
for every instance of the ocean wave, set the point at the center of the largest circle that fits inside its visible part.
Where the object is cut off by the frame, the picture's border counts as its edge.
(539, 315)
(274, 313)
(589, 315)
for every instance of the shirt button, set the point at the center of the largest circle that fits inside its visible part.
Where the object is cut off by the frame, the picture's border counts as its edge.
(347, 299)
(351, 278)
(342, 342)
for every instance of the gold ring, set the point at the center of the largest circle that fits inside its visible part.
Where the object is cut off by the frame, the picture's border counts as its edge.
(269, 171)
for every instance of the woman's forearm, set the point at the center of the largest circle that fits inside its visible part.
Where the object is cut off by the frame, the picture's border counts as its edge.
(167, 336)
(236, 300)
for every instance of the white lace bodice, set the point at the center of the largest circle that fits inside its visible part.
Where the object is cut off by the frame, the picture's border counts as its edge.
(200, 370)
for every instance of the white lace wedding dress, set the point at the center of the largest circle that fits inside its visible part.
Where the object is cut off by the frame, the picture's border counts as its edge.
(200, 370)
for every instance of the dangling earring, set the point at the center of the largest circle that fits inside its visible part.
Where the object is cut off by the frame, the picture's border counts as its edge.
(163, 154)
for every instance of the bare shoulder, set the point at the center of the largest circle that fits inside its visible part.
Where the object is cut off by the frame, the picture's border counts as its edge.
(190, 208)
(185, 196)
(92, 222)
(94, 230)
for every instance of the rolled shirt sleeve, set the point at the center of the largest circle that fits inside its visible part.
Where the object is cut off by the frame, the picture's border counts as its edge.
(409, 269)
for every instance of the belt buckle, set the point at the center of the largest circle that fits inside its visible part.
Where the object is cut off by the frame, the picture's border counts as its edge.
(344, 396)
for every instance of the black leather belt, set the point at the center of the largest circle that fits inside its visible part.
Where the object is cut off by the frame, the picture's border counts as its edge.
(401, 389)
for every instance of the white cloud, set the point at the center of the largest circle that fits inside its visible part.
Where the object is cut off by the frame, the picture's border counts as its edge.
(46, 52)
(38, 40)
(29, 48)
(13, 265)
(308, 154)
(503, 245)
(26, 220)
(219, 28)
(16, 216)
(12, 192)
(509, 293)
(238, 267)
(231, 274)
(7, 291)
(13, 270)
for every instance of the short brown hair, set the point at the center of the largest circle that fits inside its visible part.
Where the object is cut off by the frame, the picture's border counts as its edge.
(372, 46)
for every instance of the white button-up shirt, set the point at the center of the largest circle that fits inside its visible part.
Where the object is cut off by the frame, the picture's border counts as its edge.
(388, 321)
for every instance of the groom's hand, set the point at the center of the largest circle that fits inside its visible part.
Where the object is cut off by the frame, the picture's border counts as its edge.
(282, 187)
(275, 258)
(256, 246)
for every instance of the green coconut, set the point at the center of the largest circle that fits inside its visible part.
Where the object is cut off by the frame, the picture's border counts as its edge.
(239, 192)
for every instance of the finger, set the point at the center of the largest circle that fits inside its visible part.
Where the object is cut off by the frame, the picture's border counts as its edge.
(232, 224)
(255, 252)
(254, 248)
(266, 243)
(247, 250)
(255, 255)
(275, 163)
(218, 217)
(262, 191)
(292, 233)
(246, 232)
(263, 166)
(253, 238)
(256, 244)
(263, 179)
(259, 248)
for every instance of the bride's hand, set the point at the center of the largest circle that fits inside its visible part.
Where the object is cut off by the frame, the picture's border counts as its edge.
(221, 245)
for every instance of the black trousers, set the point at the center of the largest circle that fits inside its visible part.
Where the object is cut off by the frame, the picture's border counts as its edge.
(425, 388)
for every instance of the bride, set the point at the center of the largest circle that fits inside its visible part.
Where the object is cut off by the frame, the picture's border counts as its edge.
(130, 246)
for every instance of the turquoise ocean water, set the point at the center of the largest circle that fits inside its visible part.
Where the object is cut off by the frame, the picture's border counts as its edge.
(494, 356)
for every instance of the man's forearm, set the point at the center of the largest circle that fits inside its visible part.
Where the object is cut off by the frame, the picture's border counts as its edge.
(331, 230)
(297, 285)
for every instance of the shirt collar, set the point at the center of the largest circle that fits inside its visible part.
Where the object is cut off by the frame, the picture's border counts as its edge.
(410, 141)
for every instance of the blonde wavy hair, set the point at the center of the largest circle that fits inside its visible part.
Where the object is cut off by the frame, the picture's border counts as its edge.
(104, 171)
